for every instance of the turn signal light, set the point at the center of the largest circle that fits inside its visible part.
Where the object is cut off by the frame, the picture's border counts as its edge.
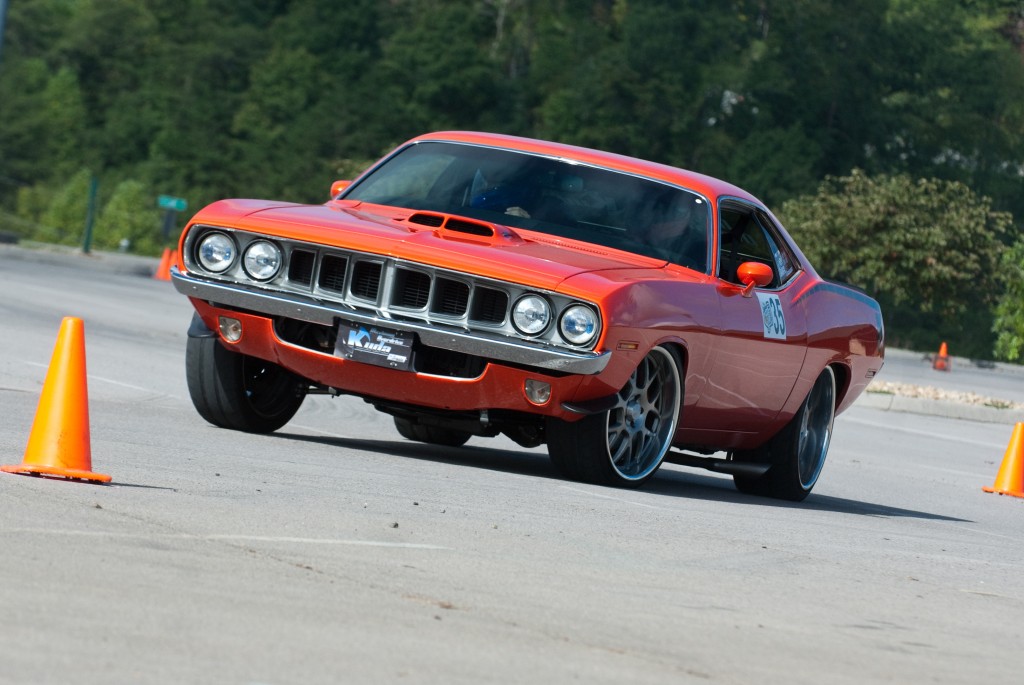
(537, 392)
(230, 328)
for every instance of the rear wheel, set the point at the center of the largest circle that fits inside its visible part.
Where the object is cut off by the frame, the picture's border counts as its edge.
(233, 390)
(433, 435)
(625, 445)
(797, 454)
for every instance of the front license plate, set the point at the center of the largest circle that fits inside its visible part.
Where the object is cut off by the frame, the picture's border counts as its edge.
(373, 345)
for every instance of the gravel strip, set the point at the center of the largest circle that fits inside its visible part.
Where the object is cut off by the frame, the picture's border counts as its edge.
(930, 393)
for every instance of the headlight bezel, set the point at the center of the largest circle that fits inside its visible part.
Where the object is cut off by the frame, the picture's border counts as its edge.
(204, 256)
(539, 314)
(251, 268)
(593, 323)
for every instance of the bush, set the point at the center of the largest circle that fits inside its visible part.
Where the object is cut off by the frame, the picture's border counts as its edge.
(1009, 323)
(63, 222)
(929, 250)
(131, 215)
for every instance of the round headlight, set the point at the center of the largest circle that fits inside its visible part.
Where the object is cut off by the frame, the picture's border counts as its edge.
(216, 252)
(262, 260)
(531, 314)
(578, 324)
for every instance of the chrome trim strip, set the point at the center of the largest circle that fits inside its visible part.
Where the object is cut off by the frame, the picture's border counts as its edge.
(306, 309)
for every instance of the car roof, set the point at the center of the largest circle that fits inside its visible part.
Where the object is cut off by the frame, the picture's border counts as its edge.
(709, 186)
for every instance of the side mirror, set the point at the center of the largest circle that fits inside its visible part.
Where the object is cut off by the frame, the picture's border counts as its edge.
(339, 186)
(753, 274)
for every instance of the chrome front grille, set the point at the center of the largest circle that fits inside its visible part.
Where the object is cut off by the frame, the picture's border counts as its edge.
(404, 290)
(389, 288)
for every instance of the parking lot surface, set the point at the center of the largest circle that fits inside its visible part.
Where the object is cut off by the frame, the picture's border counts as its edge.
(335, 551)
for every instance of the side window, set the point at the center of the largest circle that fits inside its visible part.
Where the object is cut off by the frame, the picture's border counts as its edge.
(784, 261)
(748, 235)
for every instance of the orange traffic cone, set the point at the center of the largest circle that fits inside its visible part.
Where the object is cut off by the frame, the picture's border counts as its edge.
(163, 272)
(941, 361)
(59, 442)
(1010, 479)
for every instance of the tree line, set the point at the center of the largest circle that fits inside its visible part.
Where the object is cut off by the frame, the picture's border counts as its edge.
(802, 102)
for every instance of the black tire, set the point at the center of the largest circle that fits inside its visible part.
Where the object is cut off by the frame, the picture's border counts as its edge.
(625, 445)
(233, 390)
(797, 454)
(433, 435)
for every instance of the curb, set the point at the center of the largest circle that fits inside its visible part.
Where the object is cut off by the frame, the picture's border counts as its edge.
(59, 255)
(940, 408)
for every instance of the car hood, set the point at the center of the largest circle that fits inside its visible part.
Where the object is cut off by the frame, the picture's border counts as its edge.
(459, 244)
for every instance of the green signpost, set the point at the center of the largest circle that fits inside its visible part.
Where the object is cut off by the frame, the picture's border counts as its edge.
(178, 204)
(172, 205)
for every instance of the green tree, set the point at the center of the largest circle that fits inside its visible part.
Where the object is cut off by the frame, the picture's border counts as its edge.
(956, 109)
(1009, 321)
(130, 214)
(928, 250)
(63, 221)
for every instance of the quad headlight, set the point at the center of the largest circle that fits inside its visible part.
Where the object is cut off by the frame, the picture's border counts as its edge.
(262, 260)
(217, 252)
(531, 314)
(578, 324)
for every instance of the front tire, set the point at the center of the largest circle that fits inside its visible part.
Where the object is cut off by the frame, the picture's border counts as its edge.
(625, 445)
(797, 454)
(236, 391)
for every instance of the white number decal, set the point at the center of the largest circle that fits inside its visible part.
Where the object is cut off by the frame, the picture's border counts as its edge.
(771, 314)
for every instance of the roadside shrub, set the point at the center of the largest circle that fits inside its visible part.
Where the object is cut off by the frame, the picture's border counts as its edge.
(130, 214)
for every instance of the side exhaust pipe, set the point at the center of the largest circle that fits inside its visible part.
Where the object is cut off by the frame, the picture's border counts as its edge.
(733, 468)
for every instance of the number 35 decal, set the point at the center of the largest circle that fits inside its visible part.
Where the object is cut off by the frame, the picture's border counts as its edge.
(771, 314)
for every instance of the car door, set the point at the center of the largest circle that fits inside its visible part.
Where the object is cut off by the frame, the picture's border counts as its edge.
(761, 334)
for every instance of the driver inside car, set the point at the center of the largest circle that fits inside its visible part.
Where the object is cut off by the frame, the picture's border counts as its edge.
(679, 232)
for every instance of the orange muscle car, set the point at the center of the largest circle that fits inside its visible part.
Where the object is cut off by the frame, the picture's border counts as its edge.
(622, 312)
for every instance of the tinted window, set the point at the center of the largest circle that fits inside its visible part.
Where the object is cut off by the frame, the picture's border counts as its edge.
(544, 194)
(749, 235)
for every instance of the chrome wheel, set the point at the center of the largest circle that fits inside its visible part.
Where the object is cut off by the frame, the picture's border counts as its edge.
(641, 425)
(797, 454)
(624, 445)
(815, 430)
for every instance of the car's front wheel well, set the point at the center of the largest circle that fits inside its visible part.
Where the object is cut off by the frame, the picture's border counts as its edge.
(682, 356)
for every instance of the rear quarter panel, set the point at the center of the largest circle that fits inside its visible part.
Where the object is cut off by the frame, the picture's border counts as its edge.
(845, 328)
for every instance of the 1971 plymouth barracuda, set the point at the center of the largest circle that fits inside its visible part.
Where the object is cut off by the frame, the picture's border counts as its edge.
(622, 312)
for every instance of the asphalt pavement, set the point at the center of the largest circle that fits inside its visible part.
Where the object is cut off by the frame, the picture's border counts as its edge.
(335, 551)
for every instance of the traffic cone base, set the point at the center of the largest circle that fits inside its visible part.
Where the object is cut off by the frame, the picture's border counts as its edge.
(58, 444)
(38, 470)
(1010, 479)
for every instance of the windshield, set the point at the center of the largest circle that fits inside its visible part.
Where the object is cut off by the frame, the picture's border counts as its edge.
(544, 194)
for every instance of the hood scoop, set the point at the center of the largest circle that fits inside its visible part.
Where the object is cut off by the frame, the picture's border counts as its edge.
(459, 228)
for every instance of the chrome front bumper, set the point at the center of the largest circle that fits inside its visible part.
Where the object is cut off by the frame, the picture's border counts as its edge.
(287, 305)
